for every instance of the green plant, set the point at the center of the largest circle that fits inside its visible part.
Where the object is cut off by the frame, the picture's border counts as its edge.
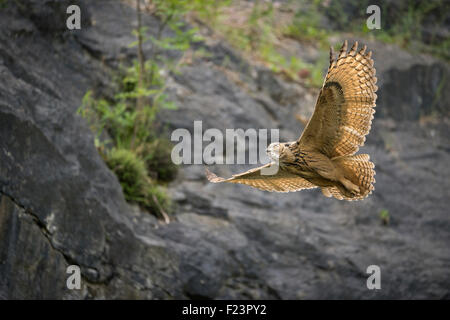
(257, 35)
(125, 125)
(157, 157)
(306, 26)
(412, 24)
(137, 187)
(385, 217)
(3, 4)
(158, 201)
(115, 118)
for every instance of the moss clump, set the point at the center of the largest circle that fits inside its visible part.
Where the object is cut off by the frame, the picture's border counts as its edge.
(137, 187)
(131, 172)
(157, 157)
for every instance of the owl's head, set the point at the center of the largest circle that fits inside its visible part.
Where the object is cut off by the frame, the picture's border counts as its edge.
(277, 151)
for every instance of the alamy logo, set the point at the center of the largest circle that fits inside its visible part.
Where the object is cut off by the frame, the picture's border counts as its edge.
(189, 150)
(74, 20)
(74, 280)
(374, 280)
(374, 21)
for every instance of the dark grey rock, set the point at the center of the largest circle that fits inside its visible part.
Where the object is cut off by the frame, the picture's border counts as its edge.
(49, 16)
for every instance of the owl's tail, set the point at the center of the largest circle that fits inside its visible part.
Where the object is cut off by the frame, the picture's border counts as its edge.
(360, 171)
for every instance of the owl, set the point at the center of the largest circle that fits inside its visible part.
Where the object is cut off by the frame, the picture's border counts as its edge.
(324, 155)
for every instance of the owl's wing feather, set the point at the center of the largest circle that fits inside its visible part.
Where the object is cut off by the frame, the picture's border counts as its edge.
(344, 109)
(338, 194)
(282, 181)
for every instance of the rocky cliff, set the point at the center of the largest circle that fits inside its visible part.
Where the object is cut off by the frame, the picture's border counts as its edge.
(60, 205)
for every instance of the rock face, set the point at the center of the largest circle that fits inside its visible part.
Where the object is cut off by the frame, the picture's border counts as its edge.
(60, 205)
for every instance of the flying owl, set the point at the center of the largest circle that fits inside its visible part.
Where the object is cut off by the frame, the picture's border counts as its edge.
(324, 155)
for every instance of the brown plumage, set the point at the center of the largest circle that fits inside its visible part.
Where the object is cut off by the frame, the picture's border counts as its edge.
(324, 155)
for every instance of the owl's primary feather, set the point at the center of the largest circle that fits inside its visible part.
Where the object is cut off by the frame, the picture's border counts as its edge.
(282, 181)
(344, 109)
(324, 155)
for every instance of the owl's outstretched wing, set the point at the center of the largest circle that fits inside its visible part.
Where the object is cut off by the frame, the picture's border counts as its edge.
(345, 106)
(281, 181)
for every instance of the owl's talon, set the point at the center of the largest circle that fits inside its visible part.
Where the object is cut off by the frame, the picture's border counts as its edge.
(355, 191)
(351, 187)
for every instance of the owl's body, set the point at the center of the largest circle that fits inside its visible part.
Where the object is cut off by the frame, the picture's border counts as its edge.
(324, 155)
(349, 176)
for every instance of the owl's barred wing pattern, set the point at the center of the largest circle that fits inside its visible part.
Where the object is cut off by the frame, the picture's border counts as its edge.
(344, 110)
(282, 181)
(325, 152)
